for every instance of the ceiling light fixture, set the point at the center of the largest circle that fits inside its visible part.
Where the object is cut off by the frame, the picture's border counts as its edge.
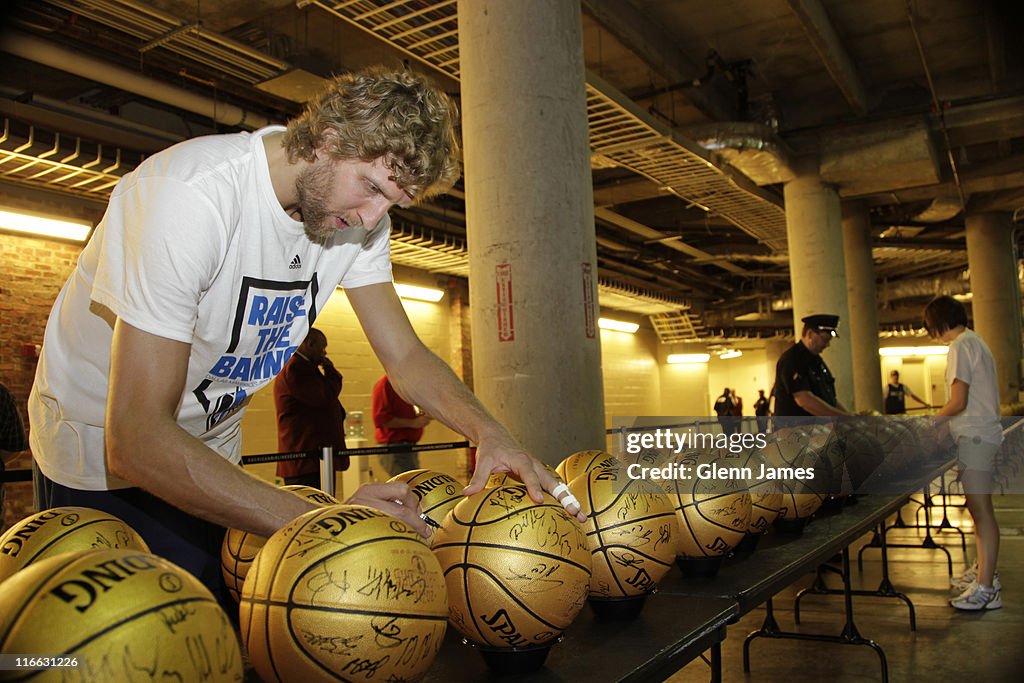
(44, 227)
(902, 351)
(689, 358)
(617, 325)
(731, 353)
(419, 293)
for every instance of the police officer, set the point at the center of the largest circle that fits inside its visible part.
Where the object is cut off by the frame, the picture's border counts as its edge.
(804, 386)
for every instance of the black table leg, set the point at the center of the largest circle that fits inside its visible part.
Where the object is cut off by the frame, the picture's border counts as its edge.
(849, 635)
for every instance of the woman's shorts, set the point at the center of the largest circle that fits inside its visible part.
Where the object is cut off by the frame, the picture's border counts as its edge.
(975, 454)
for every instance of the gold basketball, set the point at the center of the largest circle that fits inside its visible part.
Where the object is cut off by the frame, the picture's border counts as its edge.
(646, 457)
(499, 479)
(584, 461)
(123, 614)
(240, 547)
(503, 478)
(60, 530)
(343, 593)
(631, 532)
(437, 492)
(518, 572)
(788, 451)
(765, 494)
(712, 507)
(900, 444)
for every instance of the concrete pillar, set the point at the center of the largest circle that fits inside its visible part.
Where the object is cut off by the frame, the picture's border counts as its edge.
(529, 210)
(863, 304)
(995, 300)
(817, 269)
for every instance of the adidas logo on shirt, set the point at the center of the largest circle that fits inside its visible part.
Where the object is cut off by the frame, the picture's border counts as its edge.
(296, 263)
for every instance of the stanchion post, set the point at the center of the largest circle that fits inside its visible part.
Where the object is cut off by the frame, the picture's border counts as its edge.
(327, 470)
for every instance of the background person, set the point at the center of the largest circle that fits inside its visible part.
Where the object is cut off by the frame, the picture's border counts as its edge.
(972, 417)
(12, 437)
(397, 423)
(737, 411)
(724, 409)
(804, 386)
(309, 414)
(895, 395)
(762, 410)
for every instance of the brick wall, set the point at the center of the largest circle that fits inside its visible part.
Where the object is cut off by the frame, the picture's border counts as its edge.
(32, 271)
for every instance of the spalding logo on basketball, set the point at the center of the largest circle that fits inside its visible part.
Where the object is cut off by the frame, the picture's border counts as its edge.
(584, 461)
(239, 548)
(437, 492)
(125, 615)
(343, 593)
(631, 532)
(59, 530)
(518, 572)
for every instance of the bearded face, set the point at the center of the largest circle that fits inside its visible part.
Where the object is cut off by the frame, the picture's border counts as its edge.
(337, 194)
(314, 186)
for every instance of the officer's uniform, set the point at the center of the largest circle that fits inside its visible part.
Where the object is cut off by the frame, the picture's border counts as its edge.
(800, 370)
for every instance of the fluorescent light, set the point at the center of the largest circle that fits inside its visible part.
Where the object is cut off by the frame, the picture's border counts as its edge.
(731, 353)
(44, 227)
(902, 351)
(617, 325)
(418, 293)
(964, 297)
(689, 357)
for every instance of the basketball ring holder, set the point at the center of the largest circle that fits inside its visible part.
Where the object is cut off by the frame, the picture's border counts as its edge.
(699, 567)
(514, 660)
(628, 607)
(749, 543)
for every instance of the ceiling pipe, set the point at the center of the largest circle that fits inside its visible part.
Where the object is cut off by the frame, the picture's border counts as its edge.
(52, 55)
(903, 289)
(751, 148)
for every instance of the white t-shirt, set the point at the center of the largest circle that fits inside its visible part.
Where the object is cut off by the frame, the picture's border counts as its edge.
(194, 247)
(971, 362)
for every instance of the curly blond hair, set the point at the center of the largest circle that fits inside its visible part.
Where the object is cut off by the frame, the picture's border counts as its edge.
(399, 116)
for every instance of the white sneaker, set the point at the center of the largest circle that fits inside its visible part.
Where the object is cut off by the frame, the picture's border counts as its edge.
(964, 580)
(978, 598)
(969, 578)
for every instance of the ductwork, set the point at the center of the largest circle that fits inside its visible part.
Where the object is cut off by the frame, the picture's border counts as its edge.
(903, 289)
(878, 157)
(925, 287)
(751, 148)
(57, 57)
(942, 208)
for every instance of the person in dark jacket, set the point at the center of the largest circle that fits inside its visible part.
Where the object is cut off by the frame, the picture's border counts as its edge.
(309, 414)
(803, 383)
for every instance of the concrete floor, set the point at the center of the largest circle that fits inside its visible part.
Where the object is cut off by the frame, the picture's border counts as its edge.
(949, 645)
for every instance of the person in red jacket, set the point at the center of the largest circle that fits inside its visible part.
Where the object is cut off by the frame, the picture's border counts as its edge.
(397, 422)
(309, 414)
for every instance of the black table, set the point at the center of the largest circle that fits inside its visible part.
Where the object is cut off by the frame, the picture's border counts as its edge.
(780, 559)
(671, 631)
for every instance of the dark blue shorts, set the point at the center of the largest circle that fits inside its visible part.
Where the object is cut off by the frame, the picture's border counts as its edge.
(189, 542)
